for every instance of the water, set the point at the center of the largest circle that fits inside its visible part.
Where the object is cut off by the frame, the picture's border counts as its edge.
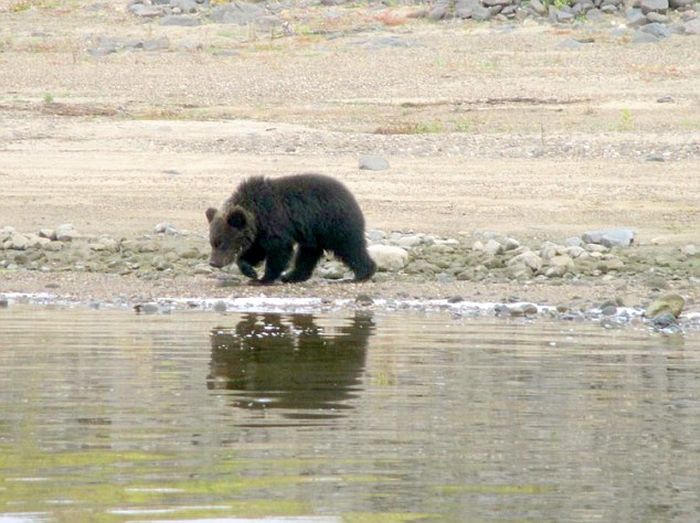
(110, 416)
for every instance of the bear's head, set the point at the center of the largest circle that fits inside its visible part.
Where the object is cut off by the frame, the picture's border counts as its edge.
(231, 231)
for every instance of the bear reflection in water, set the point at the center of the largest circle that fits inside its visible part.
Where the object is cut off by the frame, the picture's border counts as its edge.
(289, 362)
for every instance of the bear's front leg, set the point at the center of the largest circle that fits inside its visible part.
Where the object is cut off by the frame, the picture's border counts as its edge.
(277, 260)
(247, 269)
(249, 259)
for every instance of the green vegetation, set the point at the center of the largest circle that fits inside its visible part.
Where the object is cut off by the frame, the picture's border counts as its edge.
(465, 125)
(626, 121)
(431, 127)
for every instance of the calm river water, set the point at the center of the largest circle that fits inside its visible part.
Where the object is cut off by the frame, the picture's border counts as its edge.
(112, 416)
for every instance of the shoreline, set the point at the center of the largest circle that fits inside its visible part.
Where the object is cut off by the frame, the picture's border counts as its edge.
(621, 317)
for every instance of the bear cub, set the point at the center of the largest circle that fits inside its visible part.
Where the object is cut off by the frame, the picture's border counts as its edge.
(265, 218)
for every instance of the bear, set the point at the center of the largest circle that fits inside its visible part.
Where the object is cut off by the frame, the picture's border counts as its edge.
(266, 217)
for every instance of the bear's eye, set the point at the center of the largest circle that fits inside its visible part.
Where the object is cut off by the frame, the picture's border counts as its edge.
(216, 244)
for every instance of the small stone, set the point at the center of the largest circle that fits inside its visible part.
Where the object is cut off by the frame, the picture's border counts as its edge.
(538, 7)
(573, 241)
(161, 264)
(203, 269)
(510, 244)
(145, 11)
(672, 303)
(665, 100)
(656, 29)
(165, 228)
(635, 18)
(692, 27)
(480, 13)
(493, 247)
(644, 38)
(594, 248)
(438, 11)
(157, 44)
(364, 300)
(146, 308)
(657, 17)
(444, 277)
(375, 235)
(4, 302)
(455, 299)
(609, 310)
(373, 163)
(659, 6)
(66, 233)
(569, 43)
(410, 241)
(47, 233)
(689, 250)
(522, 309)
(18, 242)
(184, 6)
(220, 306)
(610, 264)
(577, 252)
(180, 20)
(529, 259)
(664, 320)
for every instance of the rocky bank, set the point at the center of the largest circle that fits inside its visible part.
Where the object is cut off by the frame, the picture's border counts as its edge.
(429, 267)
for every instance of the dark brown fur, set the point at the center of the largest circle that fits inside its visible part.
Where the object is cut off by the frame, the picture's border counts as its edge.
(265, 218)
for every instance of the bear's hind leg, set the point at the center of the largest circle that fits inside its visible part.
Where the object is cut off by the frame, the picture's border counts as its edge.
(355, 256)
(304, 264)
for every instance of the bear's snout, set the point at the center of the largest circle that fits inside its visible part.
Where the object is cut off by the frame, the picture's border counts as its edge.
(216, 264)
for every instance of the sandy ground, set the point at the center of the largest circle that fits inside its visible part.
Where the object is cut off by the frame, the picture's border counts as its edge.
(484, 129)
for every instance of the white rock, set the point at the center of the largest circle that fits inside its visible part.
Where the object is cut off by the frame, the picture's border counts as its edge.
(492, 247)
(577, 252)
(66, 232)
(375, 235)
(529, 259)
(18, 242)
(408, 242)
(562, 260)
(388, 257)
(689, 250)
(510, 244)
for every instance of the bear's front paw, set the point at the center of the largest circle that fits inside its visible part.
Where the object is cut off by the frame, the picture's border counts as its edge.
(247, 270)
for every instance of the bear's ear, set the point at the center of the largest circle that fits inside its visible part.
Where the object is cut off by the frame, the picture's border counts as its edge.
(236, 218)
(210, 212)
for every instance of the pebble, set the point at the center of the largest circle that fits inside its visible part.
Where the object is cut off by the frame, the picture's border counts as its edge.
(66, 233)
(220, 306)
(146, 308)
(373, 163)
(364, 300)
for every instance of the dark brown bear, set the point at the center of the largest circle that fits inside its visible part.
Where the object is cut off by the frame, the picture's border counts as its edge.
(265, 218)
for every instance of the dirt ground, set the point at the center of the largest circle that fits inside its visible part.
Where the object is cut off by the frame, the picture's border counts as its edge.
(485, 128)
